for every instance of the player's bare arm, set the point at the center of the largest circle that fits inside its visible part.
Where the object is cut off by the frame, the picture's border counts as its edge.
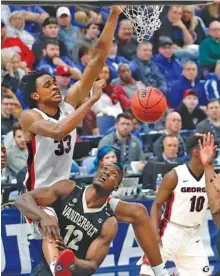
(207, 155)
(137, 215)
(98, 250)
(28, 204)
(82, 88)
(33, 123)
(166, 188)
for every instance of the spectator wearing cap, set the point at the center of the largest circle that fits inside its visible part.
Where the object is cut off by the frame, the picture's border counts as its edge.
(52, 59)
(189, 111)
(85, 55)
(209, 50)
(188, 80)
(15, 44)
(16, 28)
(113, 61)
(168, 64)
(212, 84)
(67, 33)
(144, 69)
(212, 123)
(63, 79)
(126, 40)
(173, 27)
(89, 39)
(49, 29)
(129, 84)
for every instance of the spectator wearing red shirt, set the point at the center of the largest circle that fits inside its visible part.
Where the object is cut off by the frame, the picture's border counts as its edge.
(15, 43)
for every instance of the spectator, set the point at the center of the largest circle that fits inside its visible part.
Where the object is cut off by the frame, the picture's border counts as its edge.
(127, 42)
(106, 155)
(144, 69)
(85, 55)
(130, 146)
(68, 33)
(7, 118)
(34, 15)
(173, 125)
(90, 38)
(16, 29)
(209, 50)
(169, 66)
(11, 72)
(15, 44)
(212, 123)
(63, 79)
(170, 145)
(52, 59)
(113, 61)
(5, 13)
(189, 111)
(212, 84)
(113, 100)
(210, 13)
(49, 29)
(17, 153)
(17, 105)
(188, 80)
(194, 24)
(125, 80)
(173, 27)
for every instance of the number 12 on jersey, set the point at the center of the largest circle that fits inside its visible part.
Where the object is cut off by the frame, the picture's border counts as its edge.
(197, 203)
(78, 235)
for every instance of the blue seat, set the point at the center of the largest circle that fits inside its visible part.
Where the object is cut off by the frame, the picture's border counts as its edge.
(104, 123)
(88, 162)
(75, 167)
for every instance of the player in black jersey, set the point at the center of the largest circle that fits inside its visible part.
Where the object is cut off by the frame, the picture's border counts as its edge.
(86, 221)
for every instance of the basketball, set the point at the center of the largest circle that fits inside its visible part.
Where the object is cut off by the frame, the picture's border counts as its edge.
(148, 105)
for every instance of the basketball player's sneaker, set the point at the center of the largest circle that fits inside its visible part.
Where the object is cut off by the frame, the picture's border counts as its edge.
(65, 263)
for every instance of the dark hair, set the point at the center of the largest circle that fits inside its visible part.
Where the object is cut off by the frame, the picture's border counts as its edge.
(16, 127)
(28, 86)
(6, 96)
(49, 21)
(193, 142)
(83, 50)
(48, 41)
(92, 23)
(124, 115)
(213, 101)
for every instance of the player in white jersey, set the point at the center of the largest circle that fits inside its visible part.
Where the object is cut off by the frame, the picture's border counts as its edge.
(183, 191)
(51, 122)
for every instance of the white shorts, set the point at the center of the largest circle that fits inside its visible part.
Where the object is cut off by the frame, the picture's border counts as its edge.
(34, 225)
(185, 248)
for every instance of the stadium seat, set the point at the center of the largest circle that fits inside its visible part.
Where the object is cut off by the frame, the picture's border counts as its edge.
(104, 123)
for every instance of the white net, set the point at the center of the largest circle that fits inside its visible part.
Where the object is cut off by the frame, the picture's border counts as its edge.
(145, 19)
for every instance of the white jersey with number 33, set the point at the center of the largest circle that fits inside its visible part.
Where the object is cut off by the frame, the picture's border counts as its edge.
(188, 202)
(50, 160)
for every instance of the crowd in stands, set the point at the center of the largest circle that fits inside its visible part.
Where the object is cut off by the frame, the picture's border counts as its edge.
(182, 59)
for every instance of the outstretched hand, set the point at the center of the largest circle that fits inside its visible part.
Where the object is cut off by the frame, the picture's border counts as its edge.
(97, 89)
(118, 9)
(207, 149)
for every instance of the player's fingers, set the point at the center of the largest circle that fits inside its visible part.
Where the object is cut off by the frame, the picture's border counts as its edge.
(200, 144)
(208, 138)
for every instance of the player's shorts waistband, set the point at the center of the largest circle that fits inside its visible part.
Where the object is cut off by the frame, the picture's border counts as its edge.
(183, 226)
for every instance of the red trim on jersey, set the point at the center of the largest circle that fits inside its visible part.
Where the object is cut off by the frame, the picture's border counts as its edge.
(167, 214)
(30, 182)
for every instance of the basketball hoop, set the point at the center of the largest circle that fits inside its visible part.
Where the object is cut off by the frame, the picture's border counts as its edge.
(145, 19)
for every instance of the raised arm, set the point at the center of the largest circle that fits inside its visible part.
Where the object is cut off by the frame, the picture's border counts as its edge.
(166, 188)
(207, 155)
(32, 122)
(82, 88)
(98, 250)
